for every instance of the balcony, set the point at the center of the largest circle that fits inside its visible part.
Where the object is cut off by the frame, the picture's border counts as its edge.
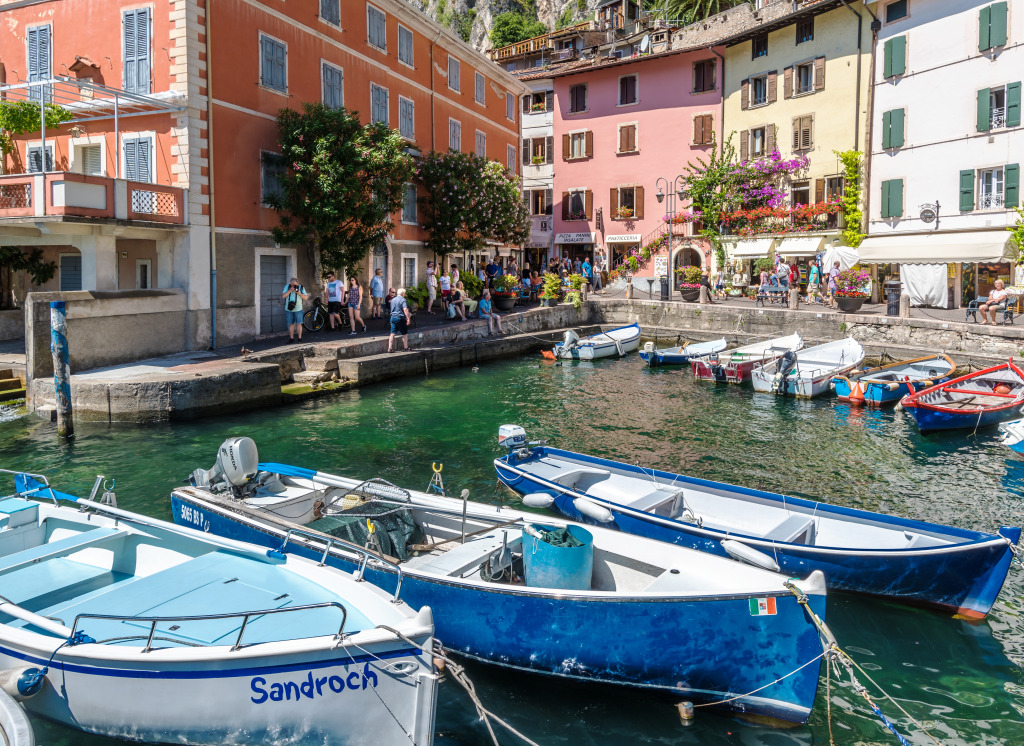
(990, 201)
(536, 44)
(813, 218)
(61, 194)
(996, 118)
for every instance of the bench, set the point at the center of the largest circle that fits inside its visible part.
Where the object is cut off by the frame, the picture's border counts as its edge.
(1004, 308)
(463, 557)
(796, 529)
(58, 548)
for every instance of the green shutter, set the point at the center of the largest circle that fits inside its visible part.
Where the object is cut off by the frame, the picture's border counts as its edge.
(885, 199)
(887, 64)
(997, 32)
(985, 29)
(886, 125)
(1013, 104)
(896, 128)
(966, 191)
(1011, 176)
(896, 198)
(896, 56)
(984, 113)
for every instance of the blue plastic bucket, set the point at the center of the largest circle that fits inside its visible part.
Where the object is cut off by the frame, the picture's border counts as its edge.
(566, 568)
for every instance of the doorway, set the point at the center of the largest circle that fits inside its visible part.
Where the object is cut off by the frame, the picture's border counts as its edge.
(273, 278)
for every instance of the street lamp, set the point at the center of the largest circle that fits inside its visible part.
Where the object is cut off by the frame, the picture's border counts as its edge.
(676, 191)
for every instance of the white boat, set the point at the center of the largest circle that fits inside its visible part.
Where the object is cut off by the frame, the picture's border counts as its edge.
(614, 342)
(680, 354)
(135, 628)
(809, 372)
(736, 365)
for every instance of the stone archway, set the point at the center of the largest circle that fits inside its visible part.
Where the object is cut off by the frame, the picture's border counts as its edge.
(687, 256)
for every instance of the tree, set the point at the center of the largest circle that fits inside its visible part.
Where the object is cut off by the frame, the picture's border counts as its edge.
(692, 11)
(19, 260)
(470, 200)
(511, 27)
(19, 117)
(341, 182)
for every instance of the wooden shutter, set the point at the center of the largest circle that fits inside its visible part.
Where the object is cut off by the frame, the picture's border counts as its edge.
(1011, 181)
(590, 144)
(565, 147)
(773, 87)
(623, 138)
(633, 147)
(896, 128)
(819, 73)
(92, 160)
(565, 205)
(526, 151)
(769, 138)
(984, 113)
(638, 201)
(549, 149)
(896, 198)
(985, 29)
(707, 134)
(588, 204)
(744, 145)
(1013, 104)
(549, 199)
(895, 56)
(526, 104)
(549, 101)
(745, 93)
(787, 82)
(886, 129)
(136, 50)
(819, 190)
(613, 201)
(884, 204)
(966, 191)
(997, 36)
(796, 134)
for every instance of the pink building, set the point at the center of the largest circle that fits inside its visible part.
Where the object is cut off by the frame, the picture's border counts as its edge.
(619, 125)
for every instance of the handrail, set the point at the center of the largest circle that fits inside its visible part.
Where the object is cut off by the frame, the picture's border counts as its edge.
(366, 553)
(42, 478)
(245, 615)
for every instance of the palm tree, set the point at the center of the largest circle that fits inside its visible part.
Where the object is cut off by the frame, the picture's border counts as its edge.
(692, 11)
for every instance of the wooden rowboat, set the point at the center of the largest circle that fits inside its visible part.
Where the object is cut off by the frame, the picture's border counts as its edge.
(889, 383)
(985, 397)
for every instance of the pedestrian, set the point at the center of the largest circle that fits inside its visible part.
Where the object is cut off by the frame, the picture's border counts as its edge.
(705, 282)
(600, 267)
(333, 293)
(813, 278)
(513, 267)
(577, 266)
(446, 291)
(293, 295)
(783, 272)
(454, 276)
(586, 270)
(354, 299)
(400, 319)
(833, 284)
(377, 292)
(485, 310)
(388, 298)
(431, 286)
(482, 274)
(720, 284)
(491, 271)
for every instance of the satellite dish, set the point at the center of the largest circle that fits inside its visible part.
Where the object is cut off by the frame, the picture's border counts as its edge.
(645, 43)
(928, 214)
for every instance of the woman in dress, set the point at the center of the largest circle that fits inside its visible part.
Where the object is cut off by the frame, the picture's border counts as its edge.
(355, 298)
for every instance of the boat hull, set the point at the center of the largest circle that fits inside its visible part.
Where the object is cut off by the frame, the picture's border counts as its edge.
(965, 581)
(705, 649)
(732, 372)
(930, 418)
(802, 386)
(607, 344)
(878, 394)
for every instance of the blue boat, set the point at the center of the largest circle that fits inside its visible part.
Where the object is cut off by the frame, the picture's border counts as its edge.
(680, 355)
(980, 399)
(909, 561)
(641, 614)
(1012, 434)
(887, 384)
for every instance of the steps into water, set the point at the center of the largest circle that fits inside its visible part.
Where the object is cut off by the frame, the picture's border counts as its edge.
(11, 387)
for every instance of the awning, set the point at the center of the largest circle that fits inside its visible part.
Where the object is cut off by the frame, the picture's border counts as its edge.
(800, 246)
(938, 248)
(750, 248)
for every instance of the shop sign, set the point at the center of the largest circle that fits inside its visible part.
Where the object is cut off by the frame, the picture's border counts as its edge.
(624, 238)
(575, 237)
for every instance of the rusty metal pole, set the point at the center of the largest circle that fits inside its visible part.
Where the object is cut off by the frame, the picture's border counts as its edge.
(61, 368)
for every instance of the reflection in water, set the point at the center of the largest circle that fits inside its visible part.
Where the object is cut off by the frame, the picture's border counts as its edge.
(964, 680)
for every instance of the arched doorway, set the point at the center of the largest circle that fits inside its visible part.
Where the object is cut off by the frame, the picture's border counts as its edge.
(687, 256)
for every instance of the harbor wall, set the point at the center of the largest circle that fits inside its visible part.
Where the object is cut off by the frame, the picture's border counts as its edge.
(12, 324)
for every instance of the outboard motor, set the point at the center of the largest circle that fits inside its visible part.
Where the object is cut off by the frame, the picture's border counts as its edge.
(785, 366)
(237, 463)
(569, 343)
(513, 437)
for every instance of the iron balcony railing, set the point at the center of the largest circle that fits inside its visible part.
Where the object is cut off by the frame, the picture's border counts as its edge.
(990, 201)
(997, 118)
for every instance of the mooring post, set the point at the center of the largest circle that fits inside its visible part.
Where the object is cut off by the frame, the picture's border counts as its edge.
(61, 368)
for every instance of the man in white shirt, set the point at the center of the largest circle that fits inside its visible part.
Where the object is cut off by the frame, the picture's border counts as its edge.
(334, 290)
(431, 286)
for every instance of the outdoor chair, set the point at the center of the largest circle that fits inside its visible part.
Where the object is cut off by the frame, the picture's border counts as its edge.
(971, 312)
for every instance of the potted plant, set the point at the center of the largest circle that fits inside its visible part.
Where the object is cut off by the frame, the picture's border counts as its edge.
(577, 215)
(538, 107)
(416, 296)
(575, 294)
(850, 289)
(551, 290)
(504, 292)
(624, 213)
(538, 160)
(689, 283)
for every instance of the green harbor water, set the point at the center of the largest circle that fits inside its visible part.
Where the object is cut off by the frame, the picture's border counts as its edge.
(964, 681)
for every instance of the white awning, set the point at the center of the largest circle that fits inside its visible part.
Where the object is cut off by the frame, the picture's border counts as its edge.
(938, 248)
(750, 248)
(800, 246)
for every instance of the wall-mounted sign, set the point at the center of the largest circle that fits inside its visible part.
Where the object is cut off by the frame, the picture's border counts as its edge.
(575, 237)
(661, 266)
(624, 238)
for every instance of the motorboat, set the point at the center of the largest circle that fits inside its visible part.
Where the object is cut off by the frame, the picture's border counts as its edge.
(887, 384)
(979, 399)
(680, 354)
(954, 569)
(687, 623)
(736, 365)
(808, 373)
(136, 628)
(1012, 434)
(613, 342)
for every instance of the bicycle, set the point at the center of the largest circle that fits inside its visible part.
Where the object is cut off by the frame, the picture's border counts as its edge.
(315, 318)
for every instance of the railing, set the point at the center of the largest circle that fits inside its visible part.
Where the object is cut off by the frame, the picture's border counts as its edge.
(997, 118)
(537, 43)
(15, 196)
(806, 219)
(153, 621)
(152, 202)
(990, 201)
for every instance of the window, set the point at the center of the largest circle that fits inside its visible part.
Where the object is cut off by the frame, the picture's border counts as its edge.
(273, 64)
(833, 188)
(510, 107)
(135, 38)
(990, 189)
(271, 171)
(538, 103)
(408, 271)
(804, 78)
(759, 47)
(704, 76)
(454, 134)
(803, 133)
(333, 89)
(510, 158)
(406, 118)
(577, 205)
(454, 72)
(538, 202)
(376, 28)
(999, 107)
(758, 142)
(405, 46)
(703, 129)
(379, 104)
(627, 90)
(992, 27)
(895, 56)
(138, 159)
(895, 10)
(800, 193)
(70, 272)
(805, 30)
(38, 42)
(479, 88)
(538, 149)
(759, 90)
(330, 11)
(627, 203)
(577, 98)
(90, 159)
(481, 144)
(627, 138)
(143, 274)
(35, 158)
(892, 128)
(409, 204)
(577, 142)
(892, 198)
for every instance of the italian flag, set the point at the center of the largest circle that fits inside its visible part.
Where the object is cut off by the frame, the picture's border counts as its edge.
(762, 607)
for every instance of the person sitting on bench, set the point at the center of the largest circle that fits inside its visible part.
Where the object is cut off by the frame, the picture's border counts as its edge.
(996, 302)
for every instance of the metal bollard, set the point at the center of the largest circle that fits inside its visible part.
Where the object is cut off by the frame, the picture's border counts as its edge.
(61, 368)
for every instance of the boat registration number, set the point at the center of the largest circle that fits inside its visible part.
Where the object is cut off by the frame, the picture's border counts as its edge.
(194, 517)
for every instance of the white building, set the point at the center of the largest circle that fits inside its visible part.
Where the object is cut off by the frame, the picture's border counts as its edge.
(538, 167)
(946, 146)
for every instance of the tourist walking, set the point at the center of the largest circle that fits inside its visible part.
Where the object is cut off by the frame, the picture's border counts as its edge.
(513, 267)
(833, 284)
(705, 282)
(400, 319)
(720, 283)
(293, 295)
(354, 299)
(492, 317)
(813, 278)
(334, 291)
(600, 267)
(587, 270)
(431, 286)
(377, 293)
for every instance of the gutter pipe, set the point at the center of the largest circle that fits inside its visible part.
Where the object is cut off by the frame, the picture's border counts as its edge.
(209, 148)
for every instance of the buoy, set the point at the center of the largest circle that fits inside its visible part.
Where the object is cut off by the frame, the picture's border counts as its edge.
(685, 710)
(22, 683)
(1002, 388)
(740, 551)
(591, 509)
(548, 355)
(538, 500)
(856, 393)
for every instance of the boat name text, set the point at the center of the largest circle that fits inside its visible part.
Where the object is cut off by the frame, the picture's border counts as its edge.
(311, 687)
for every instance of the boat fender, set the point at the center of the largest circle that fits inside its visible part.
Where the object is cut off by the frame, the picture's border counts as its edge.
(530, 530)
(591, 509)
(22, 683)
(740, 551)
(538, 500)
(856, 393)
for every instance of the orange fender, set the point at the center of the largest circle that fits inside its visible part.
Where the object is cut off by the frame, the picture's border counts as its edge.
(856, 393)
(548, 355)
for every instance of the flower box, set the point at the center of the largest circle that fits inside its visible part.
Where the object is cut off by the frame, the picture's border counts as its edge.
(577, 216)
(624, 213)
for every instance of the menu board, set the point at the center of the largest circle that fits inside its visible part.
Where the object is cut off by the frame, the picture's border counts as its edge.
(661, 266)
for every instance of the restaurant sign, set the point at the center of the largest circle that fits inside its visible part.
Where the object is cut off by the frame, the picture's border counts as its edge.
(575, 237)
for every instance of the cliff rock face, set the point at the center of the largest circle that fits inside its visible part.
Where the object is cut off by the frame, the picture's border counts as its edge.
(476, 17)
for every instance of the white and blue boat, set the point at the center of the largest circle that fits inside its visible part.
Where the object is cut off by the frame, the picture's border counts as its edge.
(909, 561)
(618, 609)
(1012, 434)
(606, 344)
(139, 629)
(809, 372)
(887, 384)
(979, 399)
(680, 354)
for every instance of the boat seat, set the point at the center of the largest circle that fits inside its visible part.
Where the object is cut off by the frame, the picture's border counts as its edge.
(637, 498)
(586, 475)
(57, 548)
(796, 529)
(462, 557)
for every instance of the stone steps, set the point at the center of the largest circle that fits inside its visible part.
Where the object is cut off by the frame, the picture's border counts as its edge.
(6, 384)
(322, 364)
(314, 376)
(13, 394)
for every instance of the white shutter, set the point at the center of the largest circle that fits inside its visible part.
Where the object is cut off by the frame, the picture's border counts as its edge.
(136, 50)
(92, 159)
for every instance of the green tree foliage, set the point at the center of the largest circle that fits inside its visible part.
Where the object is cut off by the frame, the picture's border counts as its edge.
(851, 196)
(511, 27)
(19, 117)
(342, 183)
(470, 200)
(1017, 231)
(692, 11)
(30, 261)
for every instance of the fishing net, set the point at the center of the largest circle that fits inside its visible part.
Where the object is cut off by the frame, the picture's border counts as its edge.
(560, 537)
(394, 526)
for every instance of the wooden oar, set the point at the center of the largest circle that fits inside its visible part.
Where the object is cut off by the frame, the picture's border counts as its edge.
(436, 544)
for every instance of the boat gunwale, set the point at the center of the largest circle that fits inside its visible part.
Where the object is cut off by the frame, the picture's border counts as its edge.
(865, 376)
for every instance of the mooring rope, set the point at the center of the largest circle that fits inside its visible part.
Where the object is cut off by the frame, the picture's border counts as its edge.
(772, 683)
